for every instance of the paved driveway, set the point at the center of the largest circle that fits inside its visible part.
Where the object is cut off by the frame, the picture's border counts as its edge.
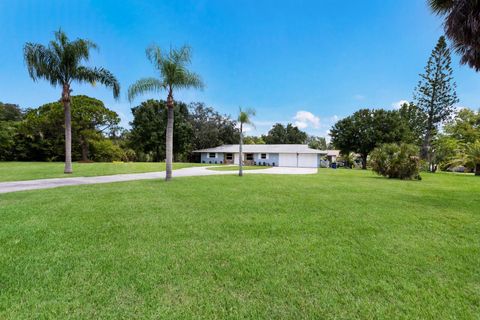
(185, 172)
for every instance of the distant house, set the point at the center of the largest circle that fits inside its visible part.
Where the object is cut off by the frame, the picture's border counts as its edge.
(281, 155)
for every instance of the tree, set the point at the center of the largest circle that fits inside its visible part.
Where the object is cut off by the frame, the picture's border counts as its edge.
(210, 128)
(465, 127)
(10, 112)
(366, 129)
(318, 143)
(174, 75)
(60, 64)
(469, 155)
(149, 126)
(462, 27)
(39, 136)
(414, 119)
(435, 95)
(279, 134)
(396, 161)
(253, 140)
(244, 117)
(90, 120)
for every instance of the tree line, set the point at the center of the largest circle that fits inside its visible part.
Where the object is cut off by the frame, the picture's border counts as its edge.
(429, 128)
(36, 134)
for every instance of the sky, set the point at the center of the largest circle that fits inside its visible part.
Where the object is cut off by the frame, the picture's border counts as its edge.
(305, 62)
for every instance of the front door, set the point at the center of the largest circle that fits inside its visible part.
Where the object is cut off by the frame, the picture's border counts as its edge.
(228, 158)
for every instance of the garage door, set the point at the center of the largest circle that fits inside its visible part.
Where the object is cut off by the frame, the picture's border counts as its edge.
(287, 160)
(307, 160)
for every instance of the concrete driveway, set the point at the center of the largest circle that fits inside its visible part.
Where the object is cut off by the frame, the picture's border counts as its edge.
(14, 186)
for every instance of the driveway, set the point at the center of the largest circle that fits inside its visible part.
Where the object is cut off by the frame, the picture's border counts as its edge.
(14, 186)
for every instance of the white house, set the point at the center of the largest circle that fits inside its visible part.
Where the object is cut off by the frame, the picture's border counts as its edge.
(282, 155)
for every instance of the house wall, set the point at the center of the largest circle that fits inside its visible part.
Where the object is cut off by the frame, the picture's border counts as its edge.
(272, 158)
(219, 159)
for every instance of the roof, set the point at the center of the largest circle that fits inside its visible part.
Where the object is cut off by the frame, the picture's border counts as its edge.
(267, 148)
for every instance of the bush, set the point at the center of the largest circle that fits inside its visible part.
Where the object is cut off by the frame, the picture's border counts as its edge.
(398, 161)
(106, 151)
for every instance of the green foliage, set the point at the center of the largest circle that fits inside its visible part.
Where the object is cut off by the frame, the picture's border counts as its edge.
(465, 127)
(253, 140)
(10, 112)
(174, 73)
(318, 143)
(468, 155)
(414, 120)
(60, 63)
(399, 161)
(462, 27)
(40, 136)
(279, 134)
(435, 94)
(106, 151)
(149, 126)
(367, 129)
(210, 128)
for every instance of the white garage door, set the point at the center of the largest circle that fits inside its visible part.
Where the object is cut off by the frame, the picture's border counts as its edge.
(287, 160)
(307, 160)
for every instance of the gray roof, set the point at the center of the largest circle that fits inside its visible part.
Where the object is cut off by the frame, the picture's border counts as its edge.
(266, 148)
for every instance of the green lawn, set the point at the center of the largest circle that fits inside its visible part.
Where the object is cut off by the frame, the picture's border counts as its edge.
(236, 168)
(16, 171)
(341, 244)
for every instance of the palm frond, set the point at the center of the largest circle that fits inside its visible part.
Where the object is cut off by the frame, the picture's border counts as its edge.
(143, 86)
(245, 115)
(93, 75)
(440, 6)
(154, 55)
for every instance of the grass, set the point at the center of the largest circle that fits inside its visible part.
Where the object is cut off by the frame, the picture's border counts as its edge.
(17, 171)
(236, 168)
(341, 244)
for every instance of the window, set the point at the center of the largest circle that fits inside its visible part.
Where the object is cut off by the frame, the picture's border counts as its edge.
(250, 156)
(229, 156)
(263, 156)
(212, 155)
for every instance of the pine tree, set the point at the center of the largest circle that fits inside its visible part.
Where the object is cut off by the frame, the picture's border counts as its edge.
(435, 95)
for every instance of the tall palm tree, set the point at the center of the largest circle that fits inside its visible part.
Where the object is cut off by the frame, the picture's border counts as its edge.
(462, 27)
(174, 75)
(60, 64)
(244, 117)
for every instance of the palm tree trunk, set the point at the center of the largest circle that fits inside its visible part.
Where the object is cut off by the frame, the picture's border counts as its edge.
(68, 128)
(240, 162)
(169, 138)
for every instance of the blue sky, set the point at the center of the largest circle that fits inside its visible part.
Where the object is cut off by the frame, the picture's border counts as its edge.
(309, 62)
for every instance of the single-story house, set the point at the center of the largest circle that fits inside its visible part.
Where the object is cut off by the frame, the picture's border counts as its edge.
(281, 155)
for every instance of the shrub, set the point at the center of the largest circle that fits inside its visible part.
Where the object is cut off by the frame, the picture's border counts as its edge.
(398, 161)
(106, 151)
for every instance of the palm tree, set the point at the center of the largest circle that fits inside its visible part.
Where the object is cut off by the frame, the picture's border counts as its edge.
(462, 27)
(173, 75)
(244, 117)
(469, 155)
(60, 64)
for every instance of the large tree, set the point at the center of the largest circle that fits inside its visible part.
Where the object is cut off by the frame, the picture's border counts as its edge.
(279, 134)
(39, 136)
(60, 63)
(149, 126)
(244, 117)
(210, 128)
(435, 95)
(367, 129)
(462, 27)
(174, 75)
(90, 120)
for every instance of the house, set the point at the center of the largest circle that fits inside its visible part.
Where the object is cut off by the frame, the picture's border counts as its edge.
(282, 155)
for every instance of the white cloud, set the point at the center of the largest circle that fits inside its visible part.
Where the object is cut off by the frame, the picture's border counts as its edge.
(397, 105)
(303, 119)
(359, 97)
